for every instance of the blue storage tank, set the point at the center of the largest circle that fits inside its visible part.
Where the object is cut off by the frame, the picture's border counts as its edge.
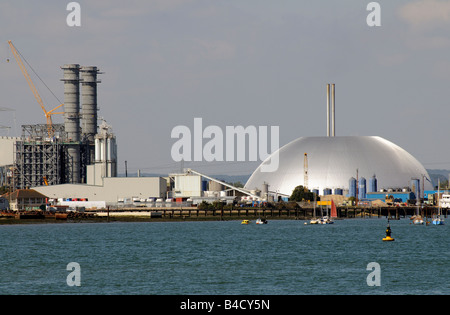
(373, 184)
(362, 188)
(316, 191)
(327, 191)
(338, 191)
(352, 187)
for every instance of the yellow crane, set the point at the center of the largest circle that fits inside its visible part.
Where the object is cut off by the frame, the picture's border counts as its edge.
(48, 114)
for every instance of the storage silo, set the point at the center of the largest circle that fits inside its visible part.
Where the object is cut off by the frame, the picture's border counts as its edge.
(215, 186)
(362, 188)
(352, 187)
(373, 183)
(265, 190)
(327, 191)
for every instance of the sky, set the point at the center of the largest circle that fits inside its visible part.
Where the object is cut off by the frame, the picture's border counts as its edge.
(237, 63)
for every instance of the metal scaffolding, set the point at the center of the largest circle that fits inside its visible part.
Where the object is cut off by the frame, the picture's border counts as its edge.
(43, 161)
(38, 163)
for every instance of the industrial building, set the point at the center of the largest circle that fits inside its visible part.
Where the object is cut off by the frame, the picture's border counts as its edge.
(110, 192)
(75, 163)
(53, 154)
(331, 164)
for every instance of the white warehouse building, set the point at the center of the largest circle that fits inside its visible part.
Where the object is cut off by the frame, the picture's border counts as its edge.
(110, 191)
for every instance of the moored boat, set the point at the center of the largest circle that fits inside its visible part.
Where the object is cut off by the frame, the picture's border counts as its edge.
(326, 220)
(261, 221)
(417, 219)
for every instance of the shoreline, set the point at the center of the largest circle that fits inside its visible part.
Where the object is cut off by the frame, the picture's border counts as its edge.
(183, 214)
(115, 219)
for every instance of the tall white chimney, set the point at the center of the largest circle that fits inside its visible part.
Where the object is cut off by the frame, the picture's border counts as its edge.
(333, 126)
(328, 110)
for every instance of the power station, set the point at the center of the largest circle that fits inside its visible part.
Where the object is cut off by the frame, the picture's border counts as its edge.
(62, 155)
(75, 163)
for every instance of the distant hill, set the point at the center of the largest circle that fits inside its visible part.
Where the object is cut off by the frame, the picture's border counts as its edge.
(439, 174)
(225, 178)
(435, 174)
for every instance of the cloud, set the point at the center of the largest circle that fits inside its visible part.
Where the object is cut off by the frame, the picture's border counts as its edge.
(426, 14)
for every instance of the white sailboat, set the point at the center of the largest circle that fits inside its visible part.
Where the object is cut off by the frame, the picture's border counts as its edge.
(314, 220)
(437, 220)
(417, 218)
(326, 219)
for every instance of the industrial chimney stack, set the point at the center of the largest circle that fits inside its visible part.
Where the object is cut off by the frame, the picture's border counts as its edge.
(80, 137)
(89, 103)
(331, 127)
(72, 120)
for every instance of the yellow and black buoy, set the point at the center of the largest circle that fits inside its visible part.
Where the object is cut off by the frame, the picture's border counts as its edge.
(388, 237)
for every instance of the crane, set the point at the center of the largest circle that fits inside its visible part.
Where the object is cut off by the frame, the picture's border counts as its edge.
(48, 114)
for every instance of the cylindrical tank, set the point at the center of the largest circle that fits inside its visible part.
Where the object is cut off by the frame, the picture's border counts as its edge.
(362, 188)
(265, 188)
(316, 191)
(89, 102)
(327, 191)
(102, 150)
(108, 149)
(97, 150)
(352, 187)
(215, 186)
(338, 191)
(373, 183)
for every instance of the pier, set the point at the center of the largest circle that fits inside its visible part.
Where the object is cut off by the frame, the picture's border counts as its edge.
(254, 212)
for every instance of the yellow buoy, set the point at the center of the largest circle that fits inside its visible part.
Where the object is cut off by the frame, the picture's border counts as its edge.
(388, 237)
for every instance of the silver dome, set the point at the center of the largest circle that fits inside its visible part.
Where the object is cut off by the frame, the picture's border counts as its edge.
(332, 161)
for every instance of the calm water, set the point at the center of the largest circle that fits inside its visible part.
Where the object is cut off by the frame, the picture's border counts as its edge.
(280, 258)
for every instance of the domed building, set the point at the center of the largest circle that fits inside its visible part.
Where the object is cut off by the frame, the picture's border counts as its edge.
(333, 161)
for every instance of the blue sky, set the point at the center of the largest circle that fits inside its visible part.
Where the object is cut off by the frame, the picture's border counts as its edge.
(239, 62)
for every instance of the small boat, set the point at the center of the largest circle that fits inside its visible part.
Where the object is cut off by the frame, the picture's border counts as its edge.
(314, 221)
(326, 220)
(245, 222)
(438, 220)
(261, 221)
(417, 219)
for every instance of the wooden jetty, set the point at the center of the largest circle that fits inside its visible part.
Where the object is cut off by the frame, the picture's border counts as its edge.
(299, 214)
